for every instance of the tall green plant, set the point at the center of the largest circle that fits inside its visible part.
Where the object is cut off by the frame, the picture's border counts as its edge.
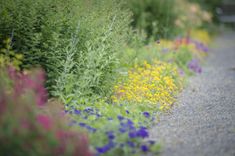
(76, 41)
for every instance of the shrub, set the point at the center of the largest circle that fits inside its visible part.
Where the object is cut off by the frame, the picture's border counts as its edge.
(8, 57)
(155, 17)
(27, 127)
(75, 41)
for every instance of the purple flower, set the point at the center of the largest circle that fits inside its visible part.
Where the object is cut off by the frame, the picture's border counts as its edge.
(120, 117)
(200, 46)
(122, 130)
(146, 114)
(78, 112)
(82, 124)
(194, 66)
(144, 148)
(88, 110)
(110, 135)
(131, 144)
(142, 132)
(130, 123)
(181, 72)
(132, 134)
(105, 148)
(91, 129)
(127, 112)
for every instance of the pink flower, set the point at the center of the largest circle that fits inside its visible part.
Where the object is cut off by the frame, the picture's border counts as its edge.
(45, 121)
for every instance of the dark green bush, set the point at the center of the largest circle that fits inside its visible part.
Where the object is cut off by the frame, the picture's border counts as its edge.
(75, 41)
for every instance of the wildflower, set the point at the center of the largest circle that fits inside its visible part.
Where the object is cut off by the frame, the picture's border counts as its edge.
(144, 148)
(91, 129)
(132, 134)
(122, 130)
(88, 110)
(146, 114)
(110, 135)
(105, 148)
(78, 112)
(142, 132)
(45, 121)
(131, 144)
(82, 124)
(120, 117)
(194, 66)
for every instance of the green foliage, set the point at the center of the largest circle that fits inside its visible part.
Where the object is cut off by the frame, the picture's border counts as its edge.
(155, 17)
(9, 57)
(75, 41)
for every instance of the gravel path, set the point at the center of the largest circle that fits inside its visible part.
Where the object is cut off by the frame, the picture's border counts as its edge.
(202, 122)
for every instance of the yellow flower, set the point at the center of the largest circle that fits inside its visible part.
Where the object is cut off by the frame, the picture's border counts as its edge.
(150, 84)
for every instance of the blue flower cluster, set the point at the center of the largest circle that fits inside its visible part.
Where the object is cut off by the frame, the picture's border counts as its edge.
(132, 134)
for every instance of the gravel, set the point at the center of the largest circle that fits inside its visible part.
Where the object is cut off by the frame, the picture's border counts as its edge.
(202, 122)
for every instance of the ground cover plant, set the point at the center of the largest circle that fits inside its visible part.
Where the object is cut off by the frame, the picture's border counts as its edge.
(112, 80)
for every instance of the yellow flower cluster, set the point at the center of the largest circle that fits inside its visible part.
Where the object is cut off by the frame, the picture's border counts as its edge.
(201, 35)
(155, 84)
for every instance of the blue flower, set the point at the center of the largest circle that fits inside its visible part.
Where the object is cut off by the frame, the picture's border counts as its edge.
(91, 129)
(144, 148)
(110, 135)
(89, 110)
(132, 134)
(105, 148)
(120, 117)
(122, 130)
(82, 124)
(142, 132)
(78, 112)
(131, 144)
(129, 122)
(146, 114)
(127, 112)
